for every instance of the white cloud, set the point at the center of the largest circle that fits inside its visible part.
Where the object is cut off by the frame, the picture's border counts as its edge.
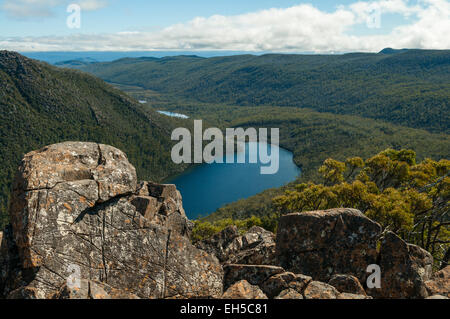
(299, 28)
(27, 9)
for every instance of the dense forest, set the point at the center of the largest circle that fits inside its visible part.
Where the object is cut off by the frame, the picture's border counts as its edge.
(42, 104)
(406, 87)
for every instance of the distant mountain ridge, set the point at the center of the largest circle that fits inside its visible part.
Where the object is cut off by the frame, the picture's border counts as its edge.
(406, 87)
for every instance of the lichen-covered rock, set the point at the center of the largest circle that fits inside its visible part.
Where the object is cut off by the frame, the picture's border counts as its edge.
(71, 209)
(285, 281)
(320, 290)
(255, 247)
(440, 283)
(162, 205)
(404, 269)
(243, 290)
(323, 243)
(347, 284)
(90, 289)
(253, 274)
(289, 294)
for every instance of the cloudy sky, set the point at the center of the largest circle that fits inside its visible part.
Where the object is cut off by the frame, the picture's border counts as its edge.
(320, 26)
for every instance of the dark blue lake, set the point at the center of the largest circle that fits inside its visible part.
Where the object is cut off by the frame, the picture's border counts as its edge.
(207, 187)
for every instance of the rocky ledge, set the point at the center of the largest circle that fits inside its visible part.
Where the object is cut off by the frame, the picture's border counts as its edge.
(83, 227)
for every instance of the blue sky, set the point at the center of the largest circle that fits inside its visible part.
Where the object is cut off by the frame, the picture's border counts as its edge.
(283, 25)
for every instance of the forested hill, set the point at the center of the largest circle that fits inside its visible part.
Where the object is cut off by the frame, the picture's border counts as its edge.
(407, 87)
(41, 104)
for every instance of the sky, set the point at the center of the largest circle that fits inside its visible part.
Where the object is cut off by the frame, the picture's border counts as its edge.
(317, 26)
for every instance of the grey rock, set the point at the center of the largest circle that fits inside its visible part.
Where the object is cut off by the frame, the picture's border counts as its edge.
(162, 205)
(323, 243)
(71, 208)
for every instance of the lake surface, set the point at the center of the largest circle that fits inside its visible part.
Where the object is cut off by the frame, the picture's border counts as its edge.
(207, 187)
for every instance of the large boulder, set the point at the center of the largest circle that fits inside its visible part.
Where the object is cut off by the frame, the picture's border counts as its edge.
(72, 210)
(323, 243)
(255, 247)
(404, 269)
(440, 283)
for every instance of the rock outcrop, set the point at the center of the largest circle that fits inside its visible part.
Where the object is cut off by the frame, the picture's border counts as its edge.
(334, 245)
(162, 205)
(323, 243)
(74, 210)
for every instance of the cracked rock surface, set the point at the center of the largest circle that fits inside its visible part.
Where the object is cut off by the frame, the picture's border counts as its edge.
(72, 211)
(321, 244)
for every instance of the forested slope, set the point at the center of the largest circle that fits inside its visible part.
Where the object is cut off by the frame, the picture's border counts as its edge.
(41, 105)
(409, 87)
